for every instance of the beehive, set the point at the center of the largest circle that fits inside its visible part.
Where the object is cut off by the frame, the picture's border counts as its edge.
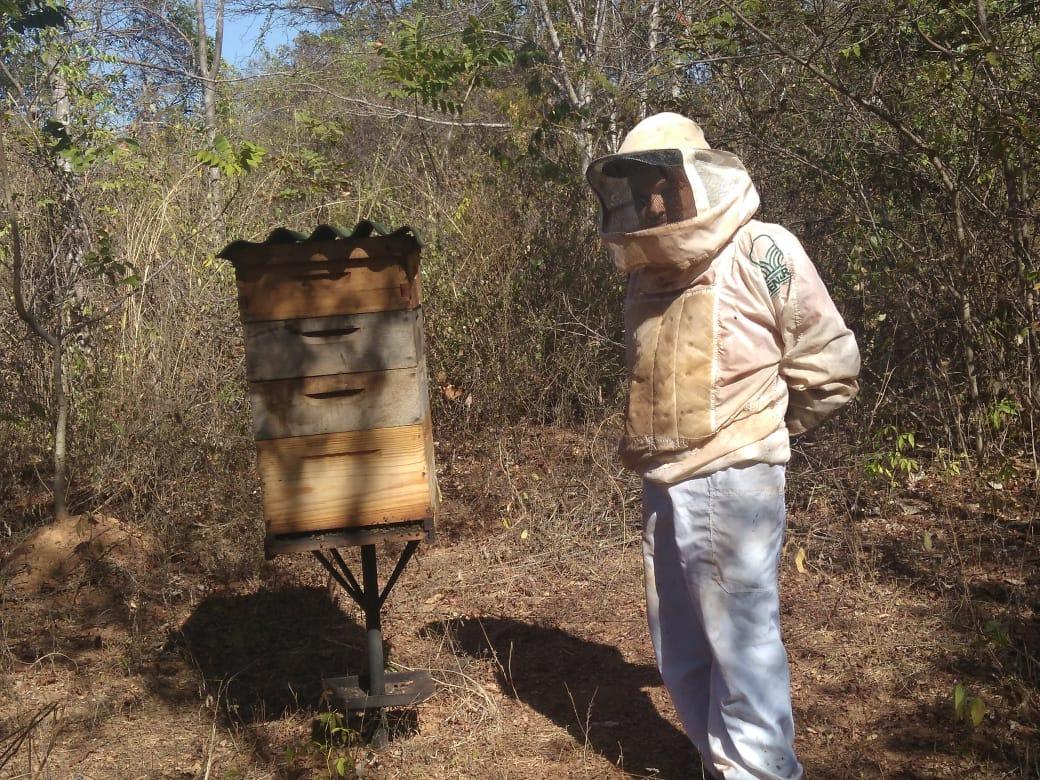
(337, 380)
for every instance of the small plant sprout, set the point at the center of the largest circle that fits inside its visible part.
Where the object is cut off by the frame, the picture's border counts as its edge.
(967, 708)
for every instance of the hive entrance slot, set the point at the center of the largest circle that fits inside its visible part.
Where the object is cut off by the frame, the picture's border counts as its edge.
(343, 392)
(327, 272)
(326, 333)
(348, 453)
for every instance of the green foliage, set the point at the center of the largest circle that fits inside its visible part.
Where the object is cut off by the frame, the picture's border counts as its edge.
(994, 634)
(102, 262)
(894, 460)
(434, 74)
(967, 708)
(332, 734)
(717, 32)
(83, 147)
(324, 130)
(231, 161)
(1001, 412)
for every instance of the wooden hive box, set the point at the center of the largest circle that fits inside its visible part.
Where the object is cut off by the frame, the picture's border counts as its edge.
(338, 386)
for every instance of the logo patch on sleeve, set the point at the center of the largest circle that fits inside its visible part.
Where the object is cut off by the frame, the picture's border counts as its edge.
(772, 264)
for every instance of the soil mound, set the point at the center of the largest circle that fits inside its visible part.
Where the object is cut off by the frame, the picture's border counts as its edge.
(78, 550)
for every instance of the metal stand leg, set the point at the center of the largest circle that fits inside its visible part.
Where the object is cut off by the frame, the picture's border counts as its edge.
(379, 690)
(376, 680)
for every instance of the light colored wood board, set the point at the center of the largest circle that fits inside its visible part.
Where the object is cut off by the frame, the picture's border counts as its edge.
(427, 422)
(399, 249)
(339, 402)
(344, 480)
(281, 349)
(320, 290)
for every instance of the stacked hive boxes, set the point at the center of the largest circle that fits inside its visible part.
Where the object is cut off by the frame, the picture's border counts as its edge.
(337, 380)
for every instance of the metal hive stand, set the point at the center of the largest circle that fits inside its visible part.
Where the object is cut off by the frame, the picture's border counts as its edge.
(378, 689)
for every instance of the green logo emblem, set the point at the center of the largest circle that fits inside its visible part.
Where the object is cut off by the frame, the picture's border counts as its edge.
(772, 265)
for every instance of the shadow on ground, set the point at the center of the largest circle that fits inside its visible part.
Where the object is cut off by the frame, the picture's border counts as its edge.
(263, 654)
(586, 687)
(973, 568)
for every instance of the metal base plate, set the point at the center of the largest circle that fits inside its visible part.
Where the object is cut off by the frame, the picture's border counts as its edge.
(403, 689)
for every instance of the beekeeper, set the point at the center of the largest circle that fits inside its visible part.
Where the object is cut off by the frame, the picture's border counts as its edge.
(733, 344)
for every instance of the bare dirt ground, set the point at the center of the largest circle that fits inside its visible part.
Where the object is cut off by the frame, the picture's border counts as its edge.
(139, 660)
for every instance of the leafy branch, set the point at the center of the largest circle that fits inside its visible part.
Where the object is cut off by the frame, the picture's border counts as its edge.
(433, 74)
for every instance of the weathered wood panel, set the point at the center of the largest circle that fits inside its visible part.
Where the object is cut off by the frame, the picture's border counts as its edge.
(281, 349)
(340, 402)
(286, 292)
(344, 480)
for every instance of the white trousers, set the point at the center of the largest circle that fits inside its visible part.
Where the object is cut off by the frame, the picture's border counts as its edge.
(711, 549)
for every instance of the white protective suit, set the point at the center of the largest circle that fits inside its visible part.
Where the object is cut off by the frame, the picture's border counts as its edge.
(729, 328)
(732, 343)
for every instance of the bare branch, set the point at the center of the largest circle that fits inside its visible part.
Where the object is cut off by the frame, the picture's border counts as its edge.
(557, 51)
(389, 112)
(17, 256)
(197, 77)
(867, 105)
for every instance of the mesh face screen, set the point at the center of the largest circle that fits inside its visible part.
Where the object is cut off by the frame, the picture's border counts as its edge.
(641, 190)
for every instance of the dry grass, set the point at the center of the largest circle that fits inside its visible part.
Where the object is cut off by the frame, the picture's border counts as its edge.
(529, 612)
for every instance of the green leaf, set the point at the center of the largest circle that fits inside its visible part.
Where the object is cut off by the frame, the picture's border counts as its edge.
(228, 160)
(960, 694)
(976, 711)
(250, 155)
(222, 145)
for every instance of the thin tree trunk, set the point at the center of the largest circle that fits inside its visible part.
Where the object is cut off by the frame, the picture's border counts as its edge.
(652, 41)
(965, 316)
(61, 425)
(56, 343)
(17, 256)
(209, 71)
(576, 93)
(69, 298)
(970, 369)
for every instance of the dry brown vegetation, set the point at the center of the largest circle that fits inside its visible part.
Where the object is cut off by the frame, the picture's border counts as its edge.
(529, 611)
(898, 141)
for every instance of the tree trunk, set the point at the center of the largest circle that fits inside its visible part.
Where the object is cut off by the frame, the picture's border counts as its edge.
(965, 317)
(652, 41)
(575, 92)
(214, 183)
(61, 423)
(67, 282)
(209, 71)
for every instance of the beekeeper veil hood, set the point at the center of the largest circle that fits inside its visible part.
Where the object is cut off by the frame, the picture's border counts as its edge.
(667, 198)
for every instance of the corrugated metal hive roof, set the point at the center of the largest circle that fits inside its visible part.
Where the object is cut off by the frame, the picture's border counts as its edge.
(363, 229)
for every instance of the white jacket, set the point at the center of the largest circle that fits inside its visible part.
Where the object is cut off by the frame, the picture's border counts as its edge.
(732, 339)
